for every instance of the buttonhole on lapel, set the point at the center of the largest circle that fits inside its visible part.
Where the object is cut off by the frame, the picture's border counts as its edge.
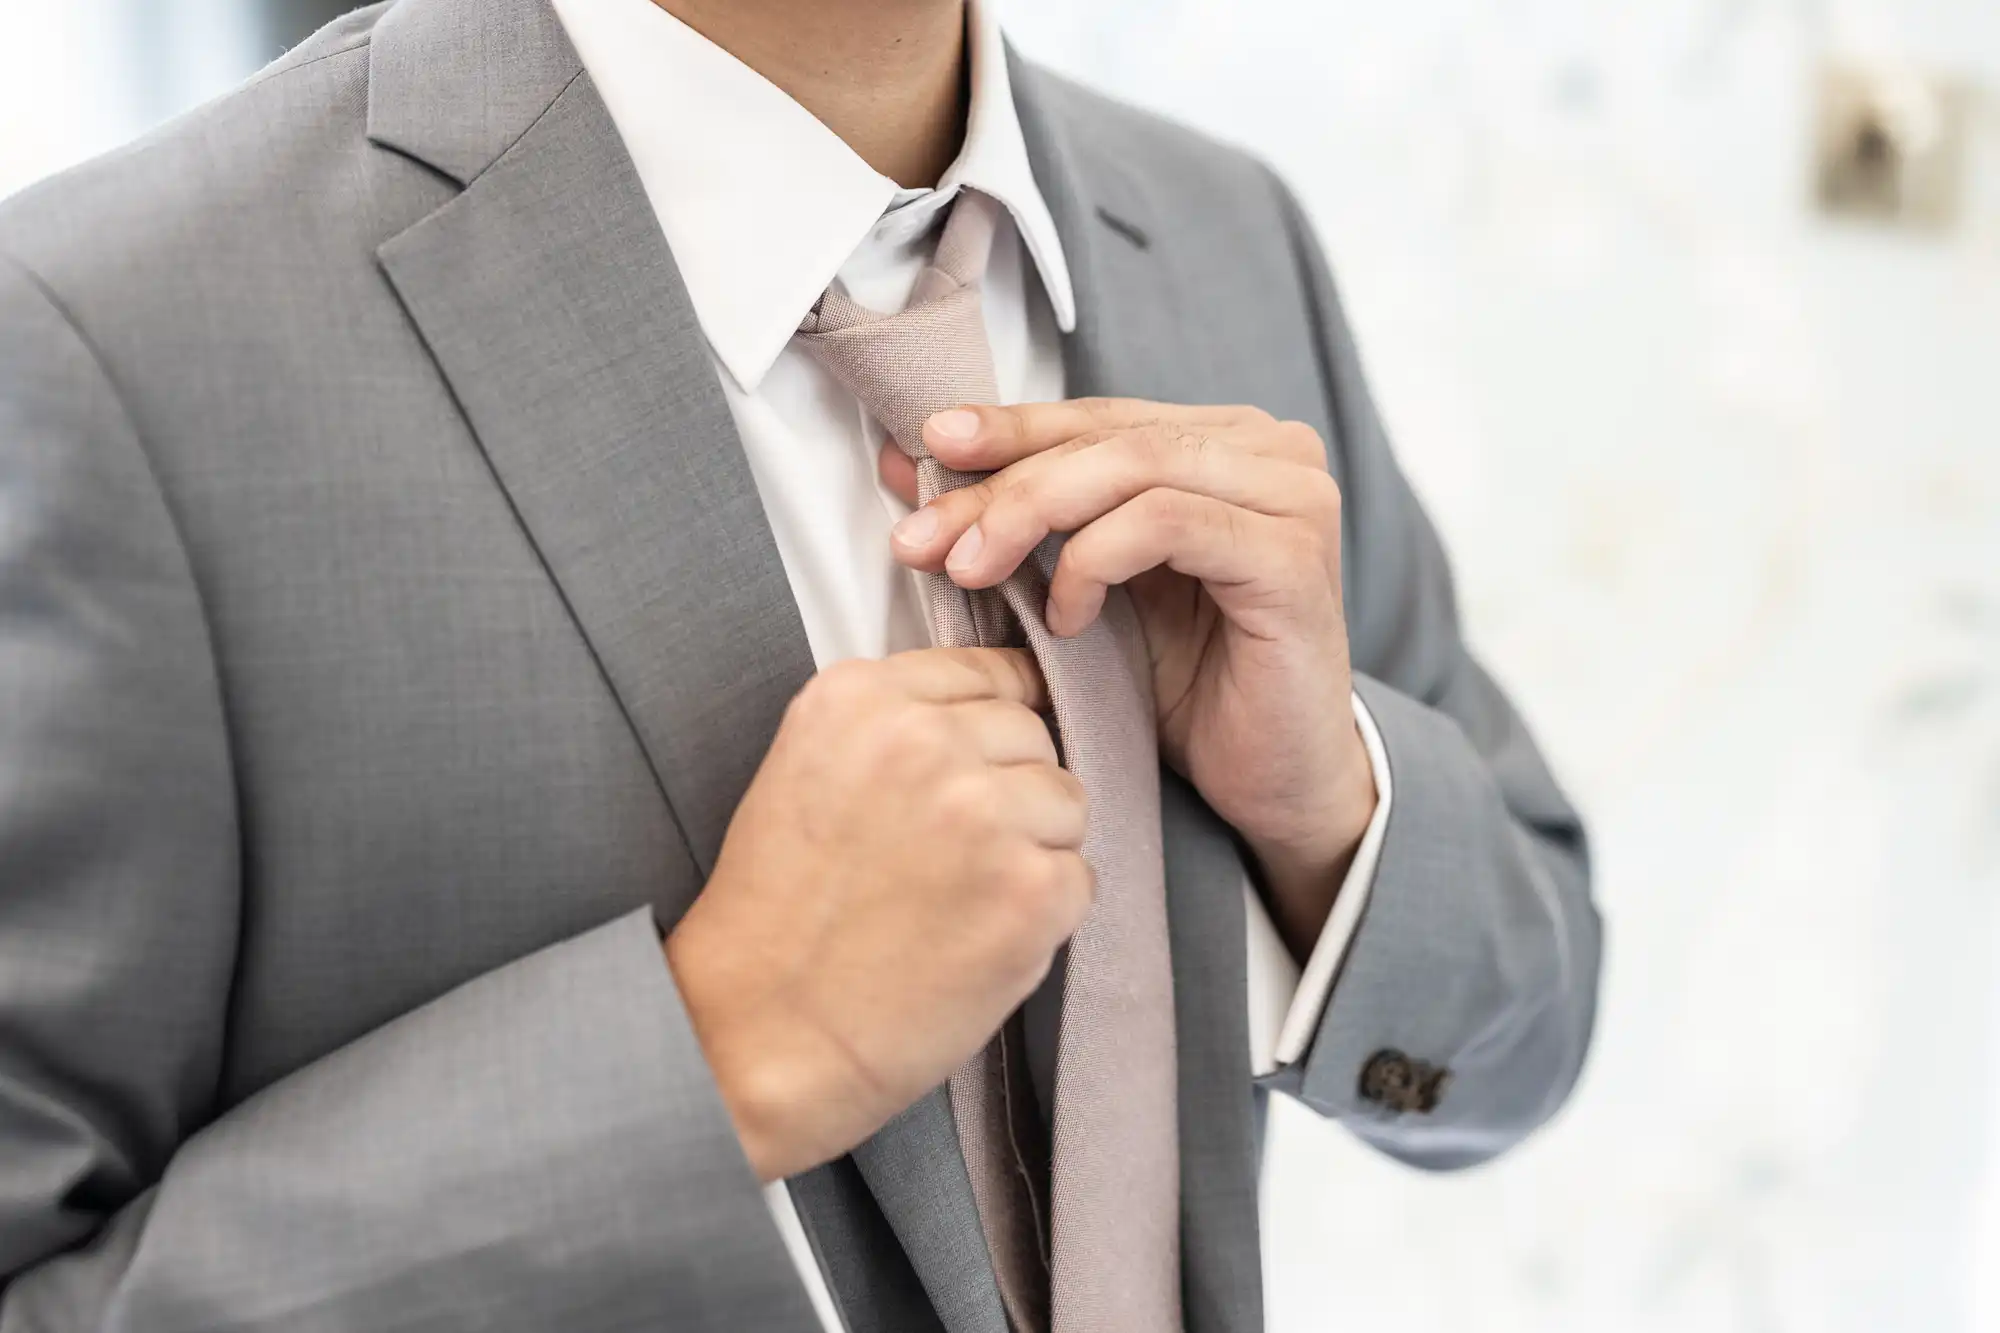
(1130, 231)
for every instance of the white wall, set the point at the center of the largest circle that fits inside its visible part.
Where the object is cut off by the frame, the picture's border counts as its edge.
(1723, 486)
(80, 76)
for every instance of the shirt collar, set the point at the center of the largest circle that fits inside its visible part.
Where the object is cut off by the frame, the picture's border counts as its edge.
(760, 202)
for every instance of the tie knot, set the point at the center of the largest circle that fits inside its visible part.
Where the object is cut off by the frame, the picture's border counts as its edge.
(964, 246)
(931, 356)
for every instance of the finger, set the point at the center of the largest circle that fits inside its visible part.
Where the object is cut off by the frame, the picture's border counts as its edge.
(981, 534)
(1246, 560)
(1045, 803)
(960, 675)
(1004, 732)
(899, 473)
(1073, 885)
(983, 438)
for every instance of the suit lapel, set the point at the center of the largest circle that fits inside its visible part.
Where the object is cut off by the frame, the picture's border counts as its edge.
(549, 298)
(1128, 342)
(547, 295)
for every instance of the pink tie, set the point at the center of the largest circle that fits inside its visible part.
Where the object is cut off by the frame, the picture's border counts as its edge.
(1111, 1260)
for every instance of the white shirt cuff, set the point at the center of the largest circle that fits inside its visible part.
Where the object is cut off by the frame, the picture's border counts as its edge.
(1286, 1003)
(785, 1213)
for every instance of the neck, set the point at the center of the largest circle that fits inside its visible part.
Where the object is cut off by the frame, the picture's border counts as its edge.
(887, 76)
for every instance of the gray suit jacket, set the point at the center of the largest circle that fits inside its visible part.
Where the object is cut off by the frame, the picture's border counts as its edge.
(388, 628)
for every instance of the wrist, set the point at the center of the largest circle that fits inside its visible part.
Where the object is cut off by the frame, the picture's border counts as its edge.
(1302, 874)
(758, 1086)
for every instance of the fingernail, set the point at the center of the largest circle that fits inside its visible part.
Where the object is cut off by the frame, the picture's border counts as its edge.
(965, 551)
(917, 528)
(957, 424)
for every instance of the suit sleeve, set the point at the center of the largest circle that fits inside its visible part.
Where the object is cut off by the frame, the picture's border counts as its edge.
(1471, 980)
(540, 1148)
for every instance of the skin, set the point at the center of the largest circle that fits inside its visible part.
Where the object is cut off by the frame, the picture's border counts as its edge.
(896, 881)
(1224, 525)
(906, 861)
(887, 76)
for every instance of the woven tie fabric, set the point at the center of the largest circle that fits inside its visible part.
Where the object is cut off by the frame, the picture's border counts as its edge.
(1110, 1262)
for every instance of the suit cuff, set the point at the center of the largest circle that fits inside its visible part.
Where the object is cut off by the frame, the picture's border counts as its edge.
(1287, 1003)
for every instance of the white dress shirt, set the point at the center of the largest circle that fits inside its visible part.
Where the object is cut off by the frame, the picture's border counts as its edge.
(764, 207)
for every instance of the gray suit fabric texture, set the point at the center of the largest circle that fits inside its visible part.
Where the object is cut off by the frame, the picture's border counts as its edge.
(389, 626)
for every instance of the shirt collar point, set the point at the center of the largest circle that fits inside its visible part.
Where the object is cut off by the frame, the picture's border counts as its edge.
(1064, 303)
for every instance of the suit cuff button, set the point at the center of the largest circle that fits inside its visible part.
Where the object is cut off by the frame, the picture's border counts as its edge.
(1400, 1083)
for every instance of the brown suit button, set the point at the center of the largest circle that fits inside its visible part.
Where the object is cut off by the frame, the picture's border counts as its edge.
(1401, 1083)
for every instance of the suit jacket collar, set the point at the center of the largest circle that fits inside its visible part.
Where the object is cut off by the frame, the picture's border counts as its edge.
(762, 218)
(454, 83)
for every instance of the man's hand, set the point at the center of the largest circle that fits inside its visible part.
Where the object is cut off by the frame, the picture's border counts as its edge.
(896, 881)
(1225, 525)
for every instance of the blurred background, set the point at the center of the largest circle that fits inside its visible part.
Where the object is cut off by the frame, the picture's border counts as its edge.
(1686, 316)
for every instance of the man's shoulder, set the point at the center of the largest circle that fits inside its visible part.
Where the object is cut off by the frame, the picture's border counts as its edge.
(1167, 156)
(1219, 205)
(210, 176)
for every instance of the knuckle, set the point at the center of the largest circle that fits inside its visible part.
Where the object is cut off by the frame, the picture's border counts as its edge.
(1225, 520)
(1302, 440)
(913, 733)
(841, 678)
(965, 803)
(1306, 546)
(835, 690)
(970, 662)
(1073, 791)
(1164, 509)
(1042, 892)
(1192, 442)
(1077, 888)
(1079, 559)
(1033, 732)
(1327, 491)
(1072, 804)
(1070, 559)
(1033, 879)
(982, 672)
(1130, 453)
(1327, 502)
(1001, 497)
(1017, 895)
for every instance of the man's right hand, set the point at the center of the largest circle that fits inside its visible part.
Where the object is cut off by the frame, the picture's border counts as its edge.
(896, 881)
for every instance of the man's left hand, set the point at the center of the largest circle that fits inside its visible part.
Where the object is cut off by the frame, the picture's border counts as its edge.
(1224, 525)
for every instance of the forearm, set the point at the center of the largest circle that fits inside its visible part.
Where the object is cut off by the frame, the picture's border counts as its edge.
(1464, 1006)
(1476, 959)
(541, 1148)
(1300, 884)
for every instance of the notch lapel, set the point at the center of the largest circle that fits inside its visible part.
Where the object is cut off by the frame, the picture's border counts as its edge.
(1129, 342)
(549, 298)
